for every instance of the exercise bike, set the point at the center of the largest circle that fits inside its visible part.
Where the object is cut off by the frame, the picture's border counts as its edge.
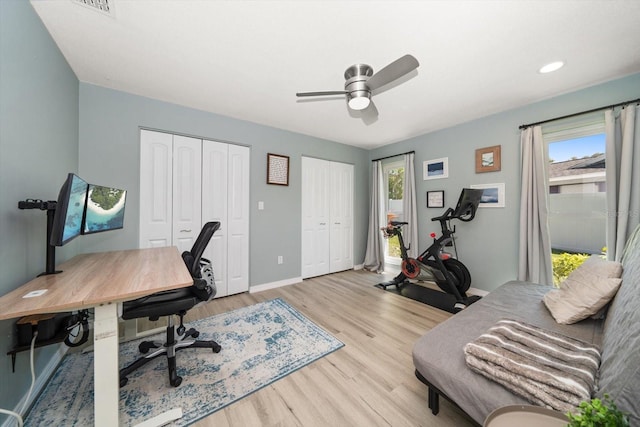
(435, 264)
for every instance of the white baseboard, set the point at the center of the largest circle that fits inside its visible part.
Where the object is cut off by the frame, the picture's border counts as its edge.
(40, 382)
(358, 266)
(273, 285)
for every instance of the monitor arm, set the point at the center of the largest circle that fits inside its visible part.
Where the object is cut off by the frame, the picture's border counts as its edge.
(50, 207)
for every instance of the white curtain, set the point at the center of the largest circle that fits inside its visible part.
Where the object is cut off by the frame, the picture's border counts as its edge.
(623, 177)
(409, 209)
(535, 242)
(374, 256)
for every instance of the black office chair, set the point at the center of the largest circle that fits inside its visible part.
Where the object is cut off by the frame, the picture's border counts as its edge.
(175, 302)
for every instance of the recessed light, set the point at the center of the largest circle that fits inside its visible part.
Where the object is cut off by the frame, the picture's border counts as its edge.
(551, 67)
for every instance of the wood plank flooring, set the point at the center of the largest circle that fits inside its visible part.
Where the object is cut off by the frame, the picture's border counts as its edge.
(368, 382)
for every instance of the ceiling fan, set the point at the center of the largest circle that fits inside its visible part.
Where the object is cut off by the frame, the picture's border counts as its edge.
(361, 81)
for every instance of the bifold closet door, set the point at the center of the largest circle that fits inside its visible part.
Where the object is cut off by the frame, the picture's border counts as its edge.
(214, 207)
(225, 198)
(238, 219)
(156, 189)
(327, 217)
(187, 193)
(185, 182)
(315, 217)
(341, 217)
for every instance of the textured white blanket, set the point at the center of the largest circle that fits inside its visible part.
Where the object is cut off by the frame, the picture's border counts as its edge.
(544, 367)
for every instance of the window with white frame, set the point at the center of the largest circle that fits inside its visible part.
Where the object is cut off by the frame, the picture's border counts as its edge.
(577, 192)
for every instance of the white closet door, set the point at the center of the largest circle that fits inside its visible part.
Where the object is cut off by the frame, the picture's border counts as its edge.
(315, 217)
(341, 219)
(214, 207)
(187, 185)
(156, 154)
(238, 219)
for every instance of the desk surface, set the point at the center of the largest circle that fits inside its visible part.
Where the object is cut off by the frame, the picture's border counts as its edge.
(88, 280)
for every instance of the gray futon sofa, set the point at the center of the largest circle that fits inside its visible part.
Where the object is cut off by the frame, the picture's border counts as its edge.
(440, 361)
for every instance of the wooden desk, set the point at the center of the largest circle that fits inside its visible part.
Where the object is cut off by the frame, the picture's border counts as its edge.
(101, 281)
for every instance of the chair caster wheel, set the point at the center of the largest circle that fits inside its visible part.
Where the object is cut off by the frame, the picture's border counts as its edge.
(176, 382)
(123, 381)
(216, 348)
(195, 334)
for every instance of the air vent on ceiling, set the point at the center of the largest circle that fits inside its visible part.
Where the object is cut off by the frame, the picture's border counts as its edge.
(103, 6)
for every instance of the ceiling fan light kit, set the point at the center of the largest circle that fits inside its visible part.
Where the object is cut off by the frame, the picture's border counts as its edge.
(361, 81)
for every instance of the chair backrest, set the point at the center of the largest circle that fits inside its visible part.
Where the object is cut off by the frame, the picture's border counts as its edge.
(192, 257)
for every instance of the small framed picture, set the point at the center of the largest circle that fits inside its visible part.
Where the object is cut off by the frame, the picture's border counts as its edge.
(277, 169)
(488, 159)
(435, 169)
(493, 195)
(435, 199)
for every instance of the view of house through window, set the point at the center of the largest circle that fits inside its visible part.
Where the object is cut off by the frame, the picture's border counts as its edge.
(577, 201)
(393, 189)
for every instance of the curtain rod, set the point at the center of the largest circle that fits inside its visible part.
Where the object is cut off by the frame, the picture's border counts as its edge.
(395, 155)
(578, 114)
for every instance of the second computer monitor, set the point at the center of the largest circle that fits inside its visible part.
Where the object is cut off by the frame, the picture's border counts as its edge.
(104, 210)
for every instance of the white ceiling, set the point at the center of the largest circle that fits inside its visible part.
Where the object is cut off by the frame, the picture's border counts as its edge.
(247, 59)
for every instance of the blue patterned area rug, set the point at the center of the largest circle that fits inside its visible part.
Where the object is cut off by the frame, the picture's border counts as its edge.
(260, 344)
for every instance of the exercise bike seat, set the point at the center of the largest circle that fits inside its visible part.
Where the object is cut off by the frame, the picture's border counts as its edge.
(397, 223)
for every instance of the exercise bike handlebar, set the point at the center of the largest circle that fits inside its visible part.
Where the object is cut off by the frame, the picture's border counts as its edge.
(464, 215)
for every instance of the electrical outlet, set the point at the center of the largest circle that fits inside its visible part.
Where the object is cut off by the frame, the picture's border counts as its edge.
(280, 259)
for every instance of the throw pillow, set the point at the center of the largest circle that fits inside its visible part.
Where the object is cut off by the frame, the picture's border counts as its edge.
(585, 291)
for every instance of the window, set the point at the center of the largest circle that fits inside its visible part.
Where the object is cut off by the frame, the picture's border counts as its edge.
(577, 196)
(393, 173)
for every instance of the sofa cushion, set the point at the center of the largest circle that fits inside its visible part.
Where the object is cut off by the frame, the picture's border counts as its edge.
(439, 357)
(585, 291)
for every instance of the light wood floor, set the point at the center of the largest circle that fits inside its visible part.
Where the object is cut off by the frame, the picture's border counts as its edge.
(368, 382)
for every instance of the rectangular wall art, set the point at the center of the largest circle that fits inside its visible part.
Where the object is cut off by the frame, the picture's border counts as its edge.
(493, 196)
(436, 168)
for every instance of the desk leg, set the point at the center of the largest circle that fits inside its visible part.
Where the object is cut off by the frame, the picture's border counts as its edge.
(106, 391)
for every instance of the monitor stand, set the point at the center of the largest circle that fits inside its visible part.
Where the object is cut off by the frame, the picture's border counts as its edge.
(50, 207)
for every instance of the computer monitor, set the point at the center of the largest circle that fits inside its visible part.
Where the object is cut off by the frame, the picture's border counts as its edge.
(67, 220)
(104, 209)
(468, 202)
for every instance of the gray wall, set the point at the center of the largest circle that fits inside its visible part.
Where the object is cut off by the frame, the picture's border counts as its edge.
(38, 146)
(488, 245)
(110, 155)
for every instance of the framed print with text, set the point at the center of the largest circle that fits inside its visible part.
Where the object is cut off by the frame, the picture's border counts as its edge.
(435, 199)
(277, 169)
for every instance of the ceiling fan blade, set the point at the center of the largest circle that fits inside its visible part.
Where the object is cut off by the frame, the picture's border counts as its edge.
(327, 93)
(393, 71)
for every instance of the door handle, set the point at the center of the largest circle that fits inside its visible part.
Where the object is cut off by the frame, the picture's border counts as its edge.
(185, 231)
(336, 223)
(323, 223)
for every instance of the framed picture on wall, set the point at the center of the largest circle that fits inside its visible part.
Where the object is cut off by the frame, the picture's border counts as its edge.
(488, 159)
(493, 195)
(435, 169)
(277, 169)
(435, 199)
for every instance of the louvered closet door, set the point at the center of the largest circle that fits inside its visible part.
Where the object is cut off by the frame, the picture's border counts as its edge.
(156, 188)
(214, 207)
(187, 190)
